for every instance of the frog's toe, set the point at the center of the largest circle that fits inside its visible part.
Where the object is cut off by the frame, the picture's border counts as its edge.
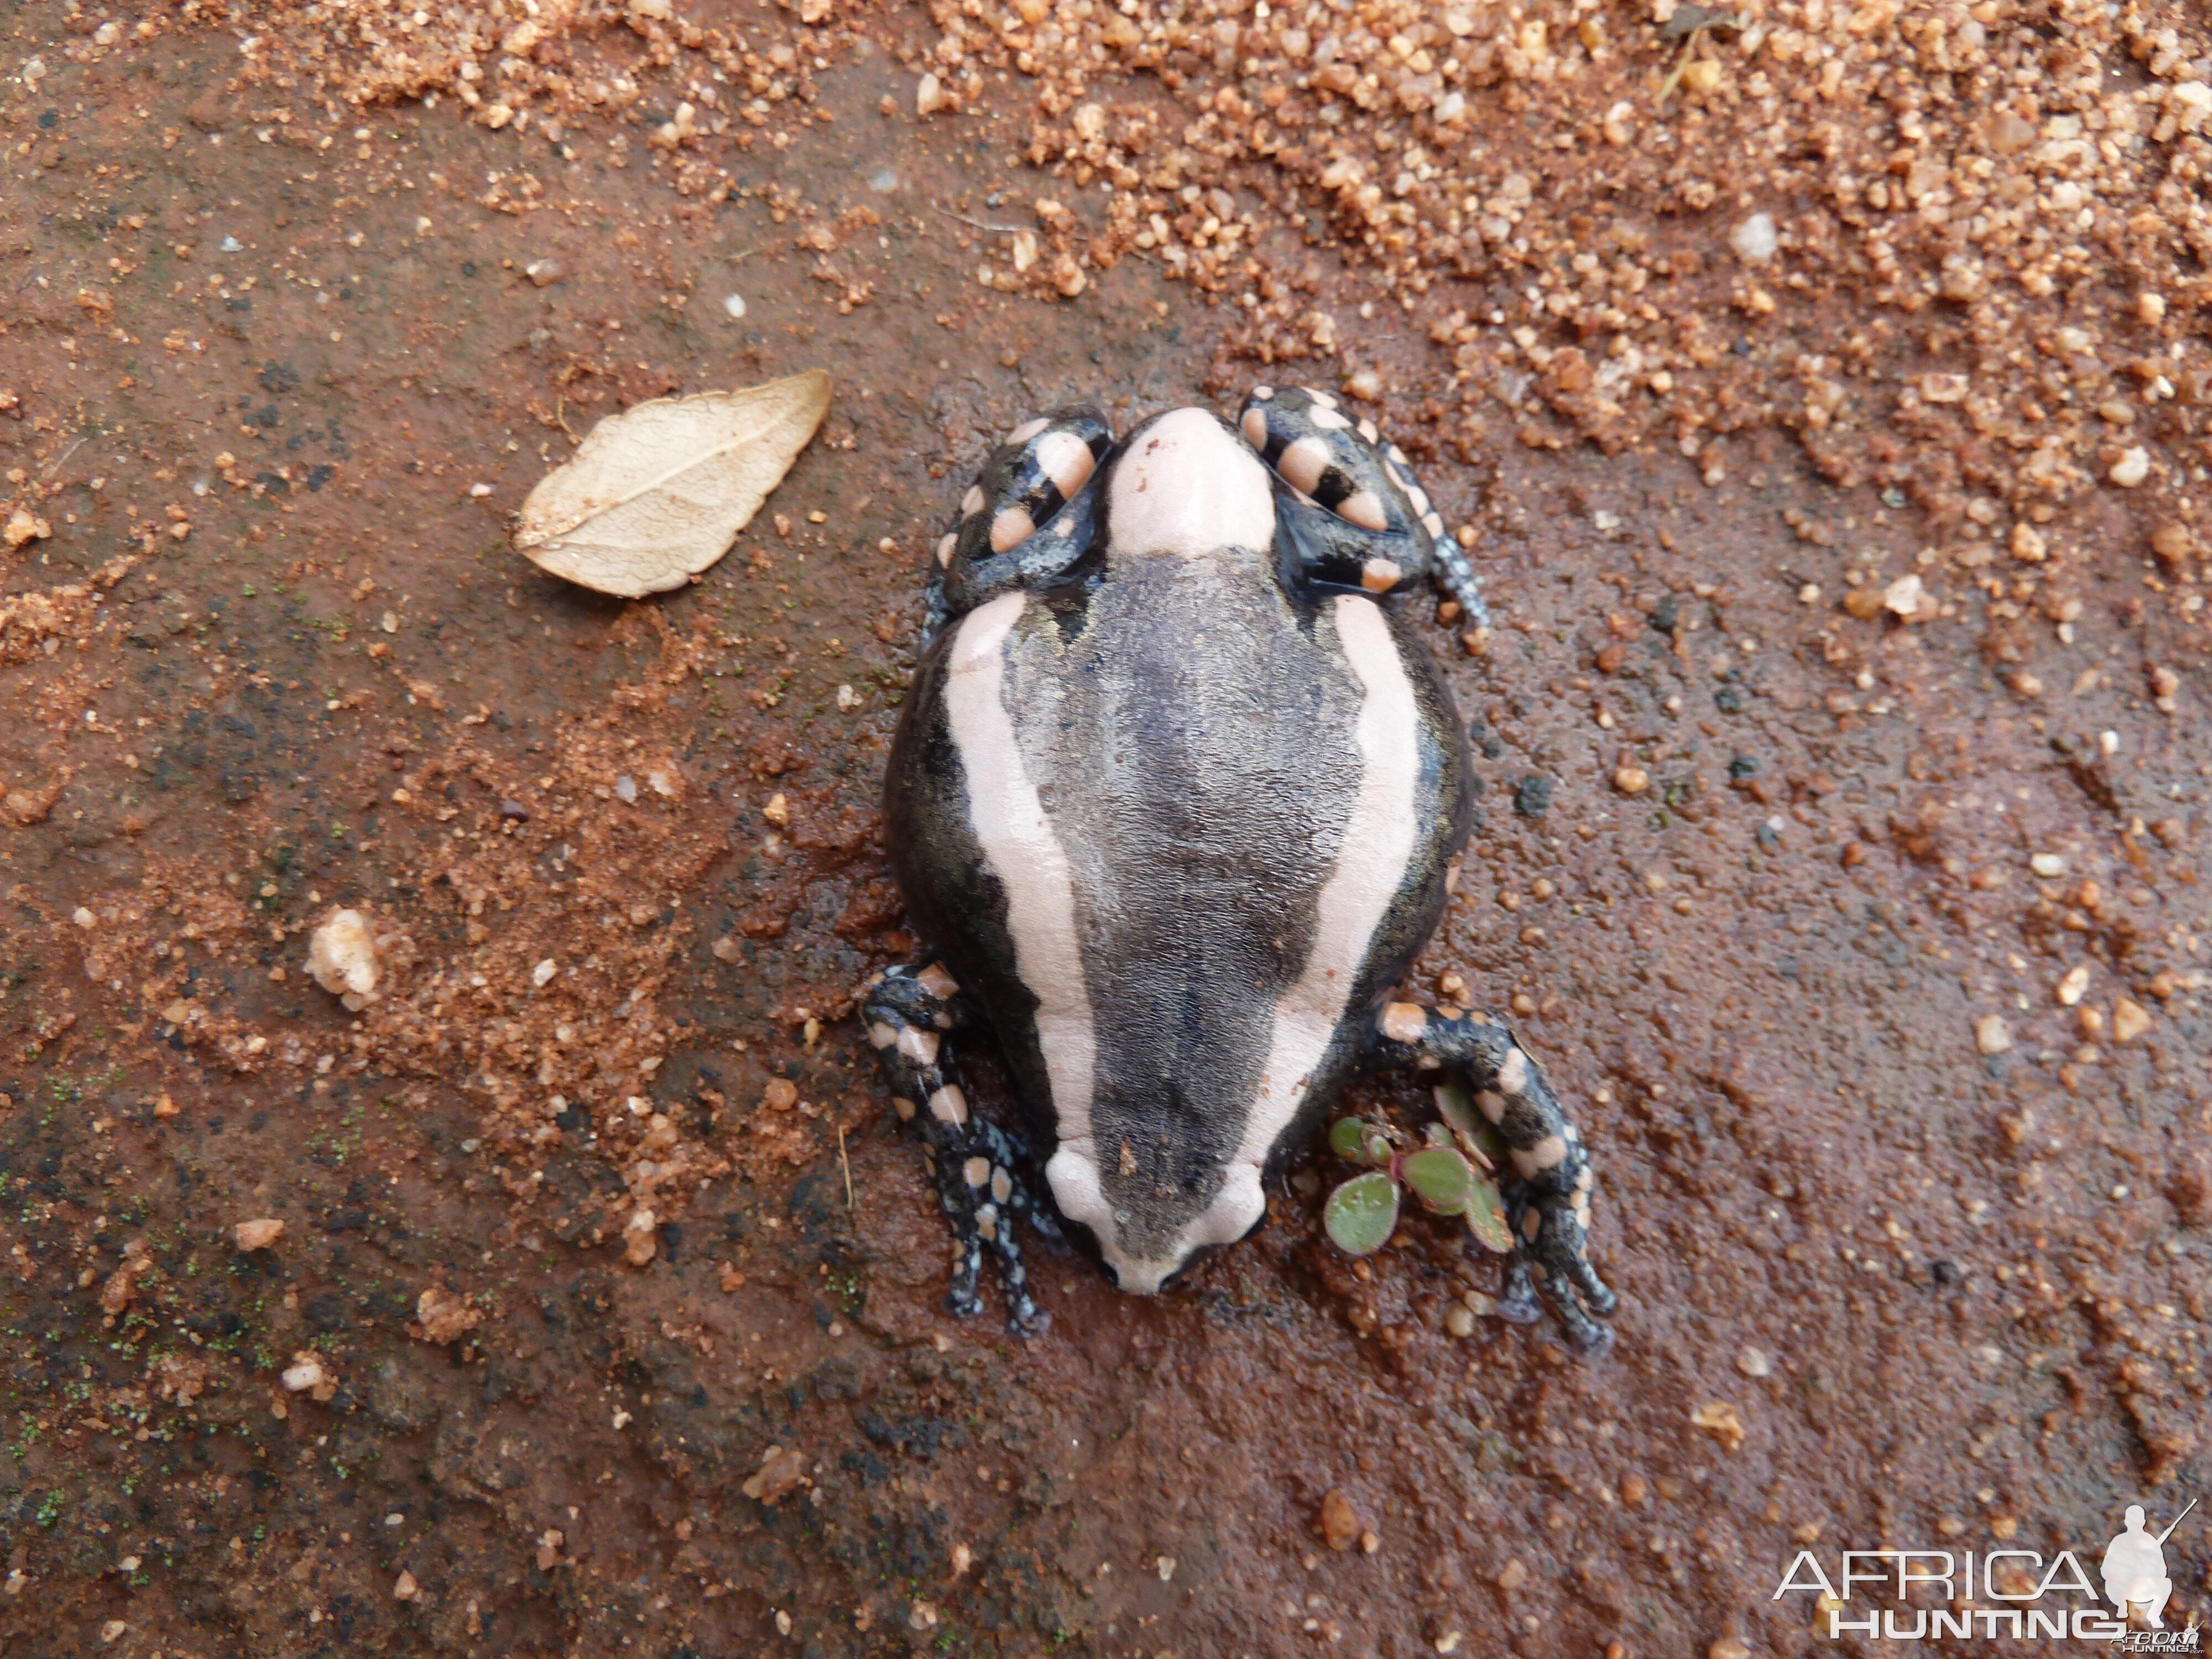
(1594, 1291)
(963, 1300)
(963, 1297)
(1553, 1255)
(1585, 1335)
(1518, 1302)
(1575, 1291)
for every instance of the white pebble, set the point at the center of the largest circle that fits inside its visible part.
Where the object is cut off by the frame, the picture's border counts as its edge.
(342, 957)
(1754, 1362)
(1753, 240)
(735, 305)
(2047, 864)
(625, 787)
(2131, 469)
(544, 972)
(299, 1377)
(82, 917)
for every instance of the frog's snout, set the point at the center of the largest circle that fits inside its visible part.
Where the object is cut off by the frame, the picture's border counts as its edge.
(1154, 1279)
(1144, 1253)
(1151, 1278)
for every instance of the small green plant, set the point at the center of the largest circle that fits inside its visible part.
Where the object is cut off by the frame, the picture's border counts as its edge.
(1450, 1173)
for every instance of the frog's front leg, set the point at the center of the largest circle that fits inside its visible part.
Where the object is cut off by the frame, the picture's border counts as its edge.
(912, 1015)
(1356, 514)
(1027, 518)
(1548, 1201)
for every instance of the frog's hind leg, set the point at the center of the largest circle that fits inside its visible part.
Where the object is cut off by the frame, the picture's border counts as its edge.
(911, 1016)
(1360, 518)
(1548, 1201)
(1027, 518)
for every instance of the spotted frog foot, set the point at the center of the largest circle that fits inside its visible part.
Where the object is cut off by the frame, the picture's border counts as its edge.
(1552, 1228)
(1547, 1200)
(912, 1014)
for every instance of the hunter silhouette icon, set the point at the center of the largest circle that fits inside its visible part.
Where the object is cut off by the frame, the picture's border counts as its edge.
(2134, 1567)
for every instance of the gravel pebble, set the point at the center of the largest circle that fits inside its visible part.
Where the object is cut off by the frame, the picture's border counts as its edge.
(342, 957)
(1723, 1421)
(1753, 240)
(1337, 1522)
(303, 1373)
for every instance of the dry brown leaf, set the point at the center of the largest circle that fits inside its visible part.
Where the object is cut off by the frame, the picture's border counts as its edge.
(656, 494)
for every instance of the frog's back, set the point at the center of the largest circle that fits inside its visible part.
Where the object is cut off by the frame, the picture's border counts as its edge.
(1172, 828)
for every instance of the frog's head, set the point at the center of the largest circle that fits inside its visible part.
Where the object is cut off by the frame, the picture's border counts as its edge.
(1151, 1225)
(1186, 485)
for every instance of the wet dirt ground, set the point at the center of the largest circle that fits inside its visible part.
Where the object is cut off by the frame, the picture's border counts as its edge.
(1912, 1249)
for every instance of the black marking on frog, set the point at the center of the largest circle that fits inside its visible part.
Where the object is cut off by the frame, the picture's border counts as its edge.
(1174, 799)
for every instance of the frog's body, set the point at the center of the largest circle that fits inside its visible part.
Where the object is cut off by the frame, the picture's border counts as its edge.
(1175, 798)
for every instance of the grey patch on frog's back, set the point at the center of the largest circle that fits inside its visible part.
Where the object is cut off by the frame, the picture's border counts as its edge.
(1199, 852)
